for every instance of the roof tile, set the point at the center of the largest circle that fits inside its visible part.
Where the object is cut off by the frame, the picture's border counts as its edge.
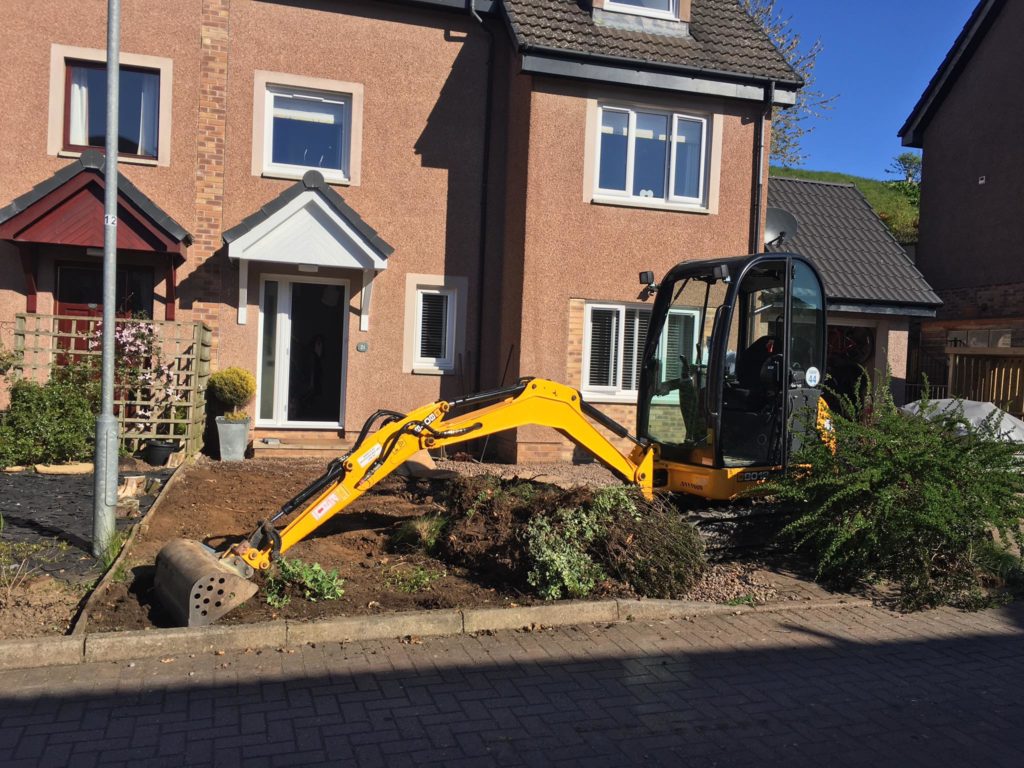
(857, 256)
(723, 38)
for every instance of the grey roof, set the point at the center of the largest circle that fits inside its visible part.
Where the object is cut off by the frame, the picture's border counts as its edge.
(859, 260)
(311, 180)
(723, 39)
(942, 81)
(93, 161)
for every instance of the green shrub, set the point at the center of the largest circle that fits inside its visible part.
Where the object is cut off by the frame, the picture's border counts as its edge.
(907, 499)
(558, 548)
(47, 424)
(649, 546)
(234, 387)
(569, 543)
(296, 578)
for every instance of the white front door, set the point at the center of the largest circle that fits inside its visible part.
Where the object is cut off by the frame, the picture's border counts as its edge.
(302, 343)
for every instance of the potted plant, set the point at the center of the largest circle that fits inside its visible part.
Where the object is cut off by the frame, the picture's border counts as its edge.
(234, 387)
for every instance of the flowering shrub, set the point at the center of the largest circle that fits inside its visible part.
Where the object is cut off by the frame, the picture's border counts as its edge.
(142, 380)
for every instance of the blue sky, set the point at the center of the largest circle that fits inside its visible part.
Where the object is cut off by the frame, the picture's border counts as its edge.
(878, 57)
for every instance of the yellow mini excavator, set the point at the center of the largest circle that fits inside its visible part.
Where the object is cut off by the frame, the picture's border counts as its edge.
(733, 350)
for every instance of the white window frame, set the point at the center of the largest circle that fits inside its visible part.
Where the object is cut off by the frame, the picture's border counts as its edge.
(446, 363)
(672, 13)
(270, 168)
(615, 393)
(671, 200)
(262, 124)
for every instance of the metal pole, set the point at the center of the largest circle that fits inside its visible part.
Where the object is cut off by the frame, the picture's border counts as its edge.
(105, 489)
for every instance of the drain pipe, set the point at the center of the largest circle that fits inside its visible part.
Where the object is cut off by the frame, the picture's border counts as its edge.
(484, 189)
(757, 241)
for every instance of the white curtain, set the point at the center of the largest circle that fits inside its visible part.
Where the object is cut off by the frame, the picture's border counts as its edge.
(148, 116)
(78, 132)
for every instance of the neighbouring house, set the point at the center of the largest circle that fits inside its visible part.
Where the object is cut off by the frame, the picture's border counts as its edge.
(376, 204)
(872, 287)
(969, 122)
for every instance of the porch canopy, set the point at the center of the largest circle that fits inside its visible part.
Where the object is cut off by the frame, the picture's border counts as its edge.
(67, 209)
(309, 224)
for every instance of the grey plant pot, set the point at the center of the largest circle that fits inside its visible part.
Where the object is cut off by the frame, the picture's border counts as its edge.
(234, 438)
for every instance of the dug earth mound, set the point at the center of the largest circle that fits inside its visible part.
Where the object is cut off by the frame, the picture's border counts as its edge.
(475, 541)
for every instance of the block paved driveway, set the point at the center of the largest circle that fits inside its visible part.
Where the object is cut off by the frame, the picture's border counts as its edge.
(836, 687)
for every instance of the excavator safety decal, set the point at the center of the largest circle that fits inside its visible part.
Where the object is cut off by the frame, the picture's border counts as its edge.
(370, 455)
(329, 503)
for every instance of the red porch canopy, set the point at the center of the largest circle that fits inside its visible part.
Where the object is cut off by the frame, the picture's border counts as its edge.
(67, 209)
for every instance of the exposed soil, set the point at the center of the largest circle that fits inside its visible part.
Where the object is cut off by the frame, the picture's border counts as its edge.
(213, 501)
(44, 606)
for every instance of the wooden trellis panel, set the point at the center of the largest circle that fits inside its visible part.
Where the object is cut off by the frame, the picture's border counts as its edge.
(46, 341)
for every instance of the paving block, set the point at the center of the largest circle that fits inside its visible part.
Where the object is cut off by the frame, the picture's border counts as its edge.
(121, 646)
(350, 628)
(553, 615)
(40, 652)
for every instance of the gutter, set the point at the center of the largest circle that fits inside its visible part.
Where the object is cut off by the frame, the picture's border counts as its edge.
(640, 65)
(485, 183)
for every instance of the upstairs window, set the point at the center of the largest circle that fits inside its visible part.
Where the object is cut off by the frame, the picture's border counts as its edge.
(662, 9)
(308, 129)
(85, 109)
(650, 155)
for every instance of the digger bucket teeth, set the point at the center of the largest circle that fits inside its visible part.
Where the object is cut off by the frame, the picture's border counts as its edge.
(196, 586)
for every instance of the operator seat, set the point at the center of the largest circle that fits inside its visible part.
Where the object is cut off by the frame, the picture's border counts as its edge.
(750, 392)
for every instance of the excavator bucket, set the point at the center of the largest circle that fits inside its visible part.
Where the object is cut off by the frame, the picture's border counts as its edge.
(196, 586)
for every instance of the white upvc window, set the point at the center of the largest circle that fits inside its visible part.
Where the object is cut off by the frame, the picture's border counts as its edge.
(307, 129)
(651, 156)
(434, 335)
(658, 9)
(613, 345)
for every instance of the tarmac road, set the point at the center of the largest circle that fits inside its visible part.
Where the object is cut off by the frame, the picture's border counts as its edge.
(837, 687)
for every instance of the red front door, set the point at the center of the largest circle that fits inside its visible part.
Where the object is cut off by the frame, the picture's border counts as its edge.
(80, 301)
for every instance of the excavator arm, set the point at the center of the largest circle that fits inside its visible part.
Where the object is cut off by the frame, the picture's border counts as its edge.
(377, 455)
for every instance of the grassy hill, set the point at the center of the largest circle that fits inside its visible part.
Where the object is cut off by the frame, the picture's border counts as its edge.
(898, 211)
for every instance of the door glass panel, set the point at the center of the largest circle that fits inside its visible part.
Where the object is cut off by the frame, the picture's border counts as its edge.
(268, 363)
(316, 343)
(752, 412)
(807, 345)
(677, 413)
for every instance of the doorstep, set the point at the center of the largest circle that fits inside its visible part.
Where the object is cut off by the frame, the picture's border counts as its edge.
(281, 443)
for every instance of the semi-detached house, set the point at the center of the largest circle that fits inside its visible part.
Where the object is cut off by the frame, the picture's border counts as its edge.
(376, 204)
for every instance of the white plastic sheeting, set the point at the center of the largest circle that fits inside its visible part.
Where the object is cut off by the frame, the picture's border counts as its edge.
(1009, 427)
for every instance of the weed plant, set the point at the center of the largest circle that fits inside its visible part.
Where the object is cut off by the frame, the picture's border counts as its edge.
(308, 581)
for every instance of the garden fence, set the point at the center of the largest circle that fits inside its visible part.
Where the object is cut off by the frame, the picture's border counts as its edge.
(989, 374)
(176, 408)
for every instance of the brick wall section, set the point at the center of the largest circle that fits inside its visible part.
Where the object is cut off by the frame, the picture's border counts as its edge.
(546, 445)
(210, 153)
(981, 303)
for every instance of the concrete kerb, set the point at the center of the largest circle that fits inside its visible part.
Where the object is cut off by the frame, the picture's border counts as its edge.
(124, 646)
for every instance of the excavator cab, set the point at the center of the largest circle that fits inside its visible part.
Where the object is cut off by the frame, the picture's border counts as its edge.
(735, 352)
